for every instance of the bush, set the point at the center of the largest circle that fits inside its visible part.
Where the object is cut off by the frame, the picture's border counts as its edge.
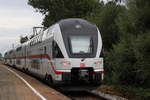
(129, 61)
(134, 93)
(121, 59)
(142, 53)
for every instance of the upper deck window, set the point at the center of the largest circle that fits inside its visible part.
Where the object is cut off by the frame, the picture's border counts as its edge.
(81, 44)
(18, 49)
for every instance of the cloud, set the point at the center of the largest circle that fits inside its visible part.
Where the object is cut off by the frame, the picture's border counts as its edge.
(16, 18)
(3, 38)
(14, 4)
(6, 43)
(16, 22)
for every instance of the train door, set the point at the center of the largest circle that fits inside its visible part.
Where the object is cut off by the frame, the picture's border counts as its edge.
(44, 61)
(29, 60)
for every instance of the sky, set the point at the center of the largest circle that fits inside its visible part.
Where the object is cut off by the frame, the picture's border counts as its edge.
(16, 19)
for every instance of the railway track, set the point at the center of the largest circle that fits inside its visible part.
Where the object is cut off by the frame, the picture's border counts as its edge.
(82, 95)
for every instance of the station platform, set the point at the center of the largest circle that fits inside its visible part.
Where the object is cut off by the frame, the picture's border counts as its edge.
(13, 88)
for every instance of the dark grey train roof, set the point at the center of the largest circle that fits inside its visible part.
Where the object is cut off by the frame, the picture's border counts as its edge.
(74, 21)
(74, 25)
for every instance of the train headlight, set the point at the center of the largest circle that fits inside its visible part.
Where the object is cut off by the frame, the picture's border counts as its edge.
(98, 62)
(65, 63)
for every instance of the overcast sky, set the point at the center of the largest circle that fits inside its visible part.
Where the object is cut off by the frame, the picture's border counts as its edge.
(16, 18)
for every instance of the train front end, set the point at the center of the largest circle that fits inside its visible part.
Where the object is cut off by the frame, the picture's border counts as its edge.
(77, 53)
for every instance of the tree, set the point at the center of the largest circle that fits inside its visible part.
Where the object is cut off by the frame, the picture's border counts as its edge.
(54, 10)
(108, 24)
(129, 59)
(139, 14)
(0, 55)
(142, 54)
(135, 20)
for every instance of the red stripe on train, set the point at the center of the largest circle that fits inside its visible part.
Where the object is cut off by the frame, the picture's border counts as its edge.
(40, 56)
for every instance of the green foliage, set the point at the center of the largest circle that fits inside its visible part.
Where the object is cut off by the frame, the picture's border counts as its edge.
(121, 59)
(0, 55)
(135, 20)
(107, 24)
(54, 10)
(125, 25)
(134, 93)
(130, 61)
(129, 58)
(139, 15)
(142, 54)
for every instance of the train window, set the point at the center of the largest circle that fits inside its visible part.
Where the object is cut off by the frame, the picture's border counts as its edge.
(56, 51)
(31, 43)
(45, 51)
(11, 52)
(35, 63)
(6, 54)
(18, 49)
(18, 62)
(81, 44)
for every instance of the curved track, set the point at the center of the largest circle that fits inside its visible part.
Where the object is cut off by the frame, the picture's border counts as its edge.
(82, 95)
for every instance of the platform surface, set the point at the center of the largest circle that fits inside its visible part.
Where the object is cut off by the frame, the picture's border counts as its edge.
(13, 88)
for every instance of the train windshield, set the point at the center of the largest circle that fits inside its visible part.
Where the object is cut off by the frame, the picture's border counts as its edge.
(81, 44)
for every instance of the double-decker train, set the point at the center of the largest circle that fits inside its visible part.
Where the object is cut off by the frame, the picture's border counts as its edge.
(68, 52)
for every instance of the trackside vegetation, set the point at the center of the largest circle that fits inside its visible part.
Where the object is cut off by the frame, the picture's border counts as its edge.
(125, 31)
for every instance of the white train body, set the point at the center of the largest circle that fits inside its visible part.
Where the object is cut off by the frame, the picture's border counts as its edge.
(67, 52)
